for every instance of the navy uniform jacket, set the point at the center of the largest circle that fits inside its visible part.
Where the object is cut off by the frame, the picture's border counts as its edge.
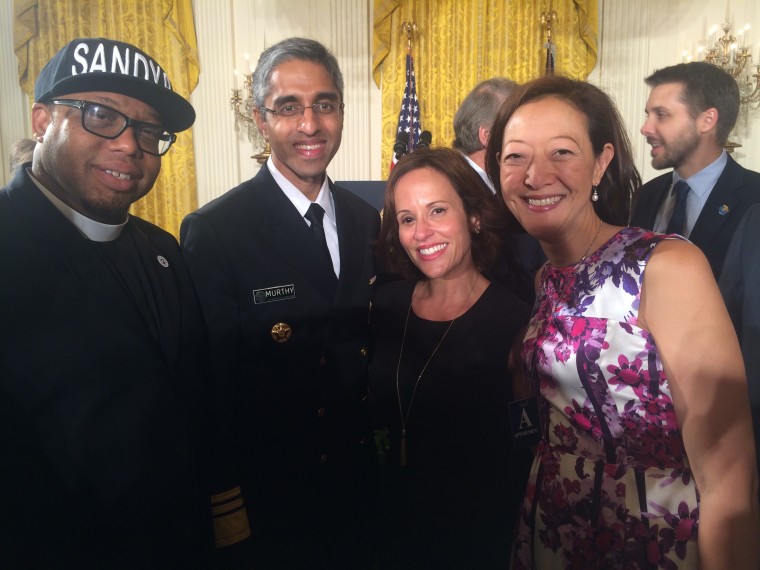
(739, 286)
(736, 190)
(101, 421)
(290, 364)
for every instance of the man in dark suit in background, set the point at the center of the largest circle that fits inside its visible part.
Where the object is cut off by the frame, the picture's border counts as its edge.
(522, 255)
(690, 112)
(739, 286)
(102, 386)
(473, 120)
(284, 267)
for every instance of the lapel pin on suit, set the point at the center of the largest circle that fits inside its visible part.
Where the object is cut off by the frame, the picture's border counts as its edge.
(162, 261)
(723, 210)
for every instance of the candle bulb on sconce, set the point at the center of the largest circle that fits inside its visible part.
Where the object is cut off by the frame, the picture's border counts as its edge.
(733, 54)
(242, 106)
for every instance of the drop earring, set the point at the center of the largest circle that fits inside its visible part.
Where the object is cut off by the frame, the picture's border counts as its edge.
(594, 194)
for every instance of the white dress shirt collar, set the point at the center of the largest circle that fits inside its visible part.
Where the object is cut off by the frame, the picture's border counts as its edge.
(299, 200)
(302, 203)
(482, 173)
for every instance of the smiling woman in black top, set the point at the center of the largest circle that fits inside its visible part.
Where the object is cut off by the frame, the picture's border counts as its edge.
(440, 375)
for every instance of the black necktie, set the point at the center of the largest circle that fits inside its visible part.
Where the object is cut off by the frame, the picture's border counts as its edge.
(314, 214)
(677, 223)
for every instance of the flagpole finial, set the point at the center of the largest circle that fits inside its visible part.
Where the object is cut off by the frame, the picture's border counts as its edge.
(410, 28)
(548, 17)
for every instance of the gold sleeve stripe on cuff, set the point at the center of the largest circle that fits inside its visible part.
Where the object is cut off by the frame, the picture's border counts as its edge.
(230, 518)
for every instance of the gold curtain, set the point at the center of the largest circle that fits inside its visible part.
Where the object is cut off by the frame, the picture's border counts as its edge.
(164, 29)
(463, 42)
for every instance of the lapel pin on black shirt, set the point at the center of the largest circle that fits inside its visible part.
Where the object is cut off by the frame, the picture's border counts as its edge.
(162, 261)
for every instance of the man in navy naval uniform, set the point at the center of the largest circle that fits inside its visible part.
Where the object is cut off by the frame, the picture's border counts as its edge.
(284, 268)
(102, 392)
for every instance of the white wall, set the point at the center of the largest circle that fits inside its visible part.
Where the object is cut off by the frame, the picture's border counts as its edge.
(635, 38)
(14, 107)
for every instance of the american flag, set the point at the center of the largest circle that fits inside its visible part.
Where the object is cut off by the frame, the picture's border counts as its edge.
(409, 125)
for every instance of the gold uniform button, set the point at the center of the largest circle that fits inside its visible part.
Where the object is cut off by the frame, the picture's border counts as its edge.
(281, 332)
(363, 351)
(323, 459)
(321, 413)
(322, 361)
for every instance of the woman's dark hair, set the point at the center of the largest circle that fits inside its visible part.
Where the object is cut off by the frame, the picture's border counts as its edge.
(476, 197)
(621, 179)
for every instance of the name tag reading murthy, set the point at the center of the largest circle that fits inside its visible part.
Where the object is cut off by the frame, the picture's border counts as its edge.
(278, 293)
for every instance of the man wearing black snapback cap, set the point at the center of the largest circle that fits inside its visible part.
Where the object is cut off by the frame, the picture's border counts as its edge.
(102, 396)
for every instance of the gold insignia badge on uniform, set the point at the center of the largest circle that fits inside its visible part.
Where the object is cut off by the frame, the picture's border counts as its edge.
(281, 332)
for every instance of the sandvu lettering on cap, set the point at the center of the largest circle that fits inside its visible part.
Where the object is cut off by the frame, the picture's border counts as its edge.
(100, 64)
(118, 61)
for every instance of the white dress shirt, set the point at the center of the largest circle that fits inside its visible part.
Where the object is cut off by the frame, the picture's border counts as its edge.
(302, 203)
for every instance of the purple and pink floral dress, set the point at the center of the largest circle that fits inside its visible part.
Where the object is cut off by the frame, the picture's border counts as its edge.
(611, 485)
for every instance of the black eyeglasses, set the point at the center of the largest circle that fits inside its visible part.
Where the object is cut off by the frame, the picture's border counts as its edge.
(291, 109)
(106, 122)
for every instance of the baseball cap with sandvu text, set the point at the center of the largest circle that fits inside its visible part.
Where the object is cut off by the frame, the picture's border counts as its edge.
(100, 64)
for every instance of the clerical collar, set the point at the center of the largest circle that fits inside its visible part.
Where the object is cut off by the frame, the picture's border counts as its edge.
(89, 228)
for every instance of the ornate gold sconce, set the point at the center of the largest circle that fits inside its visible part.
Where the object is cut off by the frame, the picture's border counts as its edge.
(734, 56)
(242, 106)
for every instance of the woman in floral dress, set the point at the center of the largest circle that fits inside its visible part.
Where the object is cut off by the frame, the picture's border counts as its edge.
(646, 458)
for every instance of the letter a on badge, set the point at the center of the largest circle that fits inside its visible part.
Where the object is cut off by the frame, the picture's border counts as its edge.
(525, 420)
